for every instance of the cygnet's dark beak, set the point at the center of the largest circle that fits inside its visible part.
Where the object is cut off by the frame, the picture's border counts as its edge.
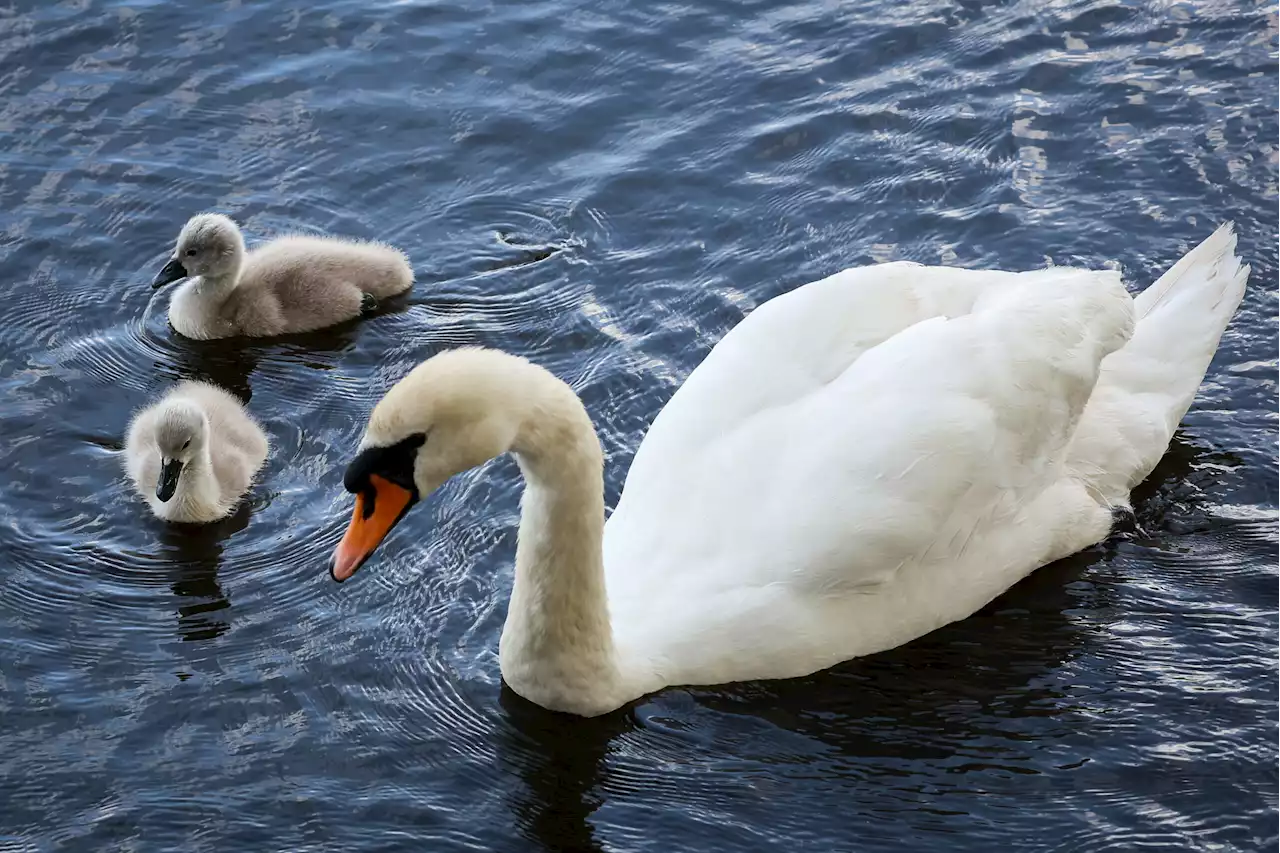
(170, 470)
(172, 271)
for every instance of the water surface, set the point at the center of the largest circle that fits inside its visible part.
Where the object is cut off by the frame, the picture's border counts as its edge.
(606, 188)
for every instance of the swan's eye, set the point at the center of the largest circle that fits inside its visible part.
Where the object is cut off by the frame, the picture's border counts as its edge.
(190, 253)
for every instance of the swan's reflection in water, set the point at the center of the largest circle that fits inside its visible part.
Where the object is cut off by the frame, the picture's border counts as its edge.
(195, 551)
(559, 761)
(229, 363)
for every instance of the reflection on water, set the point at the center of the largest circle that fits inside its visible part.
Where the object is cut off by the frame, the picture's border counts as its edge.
(230, 364)
(559, 762)
(606, 190)
(195, 552)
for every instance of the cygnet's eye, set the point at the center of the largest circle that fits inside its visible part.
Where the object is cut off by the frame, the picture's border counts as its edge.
(186, 444)
(190, 253)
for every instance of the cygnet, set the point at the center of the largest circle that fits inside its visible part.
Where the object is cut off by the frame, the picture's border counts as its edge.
(292, 284)
(194, 453)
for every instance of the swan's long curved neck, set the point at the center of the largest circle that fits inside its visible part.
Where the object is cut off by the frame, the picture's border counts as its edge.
(557, 645)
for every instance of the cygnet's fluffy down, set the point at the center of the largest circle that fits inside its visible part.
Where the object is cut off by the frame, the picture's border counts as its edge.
(292, 284)
(194, 453)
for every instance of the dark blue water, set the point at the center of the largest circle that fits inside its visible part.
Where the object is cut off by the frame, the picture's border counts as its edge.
(606, 188)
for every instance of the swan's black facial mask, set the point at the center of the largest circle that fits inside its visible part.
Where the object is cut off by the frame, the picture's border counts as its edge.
(382, 480)
(394, 464)
(171, 272)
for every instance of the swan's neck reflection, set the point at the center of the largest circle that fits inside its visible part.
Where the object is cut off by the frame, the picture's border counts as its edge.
(558, 760)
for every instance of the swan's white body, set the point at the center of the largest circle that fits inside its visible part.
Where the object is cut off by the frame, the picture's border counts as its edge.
(859, 462)
(227, 448)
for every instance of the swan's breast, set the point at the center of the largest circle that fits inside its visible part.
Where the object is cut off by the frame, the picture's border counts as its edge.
(194, 315)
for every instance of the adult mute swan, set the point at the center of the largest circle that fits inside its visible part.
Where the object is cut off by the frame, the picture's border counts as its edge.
(292, 284)
(193, 454)
(860, 461)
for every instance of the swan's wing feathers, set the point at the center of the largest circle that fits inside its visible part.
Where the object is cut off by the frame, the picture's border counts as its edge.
(796, 343)
(944, 427)
(963, 420)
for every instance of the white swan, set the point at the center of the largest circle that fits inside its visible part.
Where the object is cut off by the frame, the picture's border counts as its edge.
(292, 284)
(193, 453)
(859, 462)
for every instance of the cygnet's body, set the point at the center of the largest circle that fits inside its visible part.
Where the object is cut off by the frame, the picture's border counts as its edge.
(292, 284)
(194, 453)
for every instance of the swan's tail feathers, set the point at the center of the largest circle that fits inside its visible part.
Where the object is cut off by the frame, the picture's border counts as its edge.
(1180, 320)
(1146, 387)
(388, 271)
(1210, 274)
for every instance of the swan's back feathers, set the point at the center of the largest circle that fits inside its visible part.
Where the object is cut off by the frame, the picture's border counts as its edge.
(1146, 388)
(298, 266)
(798, 342)
(301, 283)
(911, 455)
(803, 339)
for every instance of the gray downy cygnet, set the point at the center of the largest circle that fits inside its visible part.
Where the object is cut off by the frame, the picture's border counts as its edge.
(193, 454)
(295, 283)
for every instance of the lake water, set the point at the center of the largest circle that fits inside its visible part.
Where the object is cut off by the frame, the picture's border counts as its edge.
(606, 188)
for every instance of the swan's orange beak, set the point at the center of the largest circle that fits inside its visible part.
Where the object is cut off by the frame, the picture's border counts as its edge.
(377, 510)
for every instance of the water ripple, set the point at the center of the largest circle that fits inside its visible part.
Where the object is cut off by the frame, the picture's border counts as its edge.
(606, 189)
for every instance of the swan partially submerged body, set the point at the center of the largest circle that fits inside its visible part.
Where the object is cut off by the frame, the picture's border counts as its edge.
(859, 462)
(193, 454)
(291, 284)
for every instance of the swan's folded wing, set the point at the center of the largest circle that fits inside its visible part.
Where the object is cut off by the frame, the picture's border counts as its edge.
(920, 444)
(797, 343)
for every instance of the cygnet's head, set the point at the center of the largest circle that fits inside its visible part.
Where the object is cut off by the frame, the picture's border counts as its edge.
(180, 436)
(451, 413)
(210, 245)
